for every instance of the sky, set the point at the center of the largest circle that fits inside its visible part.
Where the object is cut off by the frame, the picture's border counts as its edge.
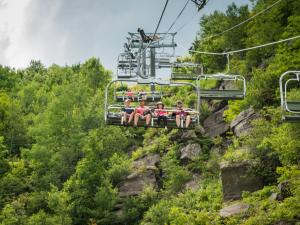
(71, 31)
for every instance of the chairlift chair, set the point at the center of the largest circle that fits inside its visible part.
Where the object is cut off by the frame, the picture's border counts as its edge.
(127, 66)
(113, 112)
(222, 93)
(186, 71)
(290, 107)
(148, 96)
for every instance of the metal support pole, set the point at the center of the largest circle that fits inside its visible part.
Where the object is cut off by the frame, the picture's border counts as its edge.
(228, 63)
(152, 67)
(152, 62)
(144, 65)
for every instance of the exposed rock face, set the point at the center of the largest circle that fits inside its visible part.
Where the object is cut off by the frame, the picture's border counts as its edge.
(149, 161)
(234, 210)
(188, 135)
(236, 178)
(190, 152)
(227, 85)
(194, 183)
(242, 123)
(284, 188)
(216, 106)
(136, 182)
(199, 130)
(215, 125)
(144, 176)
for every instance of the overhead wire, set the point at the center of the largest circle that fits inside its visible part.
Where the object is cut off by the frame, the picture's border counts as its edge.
(190, 20)
(243, 22)
(178, 16)
(240, 50)
(158, 24)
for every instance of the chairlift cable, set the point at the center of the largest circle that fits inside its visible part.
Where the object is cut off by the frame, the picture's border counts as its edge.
(189, 21)
(240, 50)
(243, 22)
(158, 24)
(178, 16)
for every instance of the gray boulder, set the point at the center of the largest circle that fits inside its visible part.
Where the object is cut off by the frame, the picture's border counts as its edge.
(144, 176)
(234, 209)
(227, 85)
(241, 125)
(190, 152)
(193, 184)
(135, 183)
(199, 130)
(215, 124)
(148, 161)
(237, 178)
(188, 135)
(284, 188)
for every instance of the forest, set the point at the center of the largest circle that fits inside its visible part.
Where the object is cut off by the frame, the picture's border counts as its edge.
(61, 164)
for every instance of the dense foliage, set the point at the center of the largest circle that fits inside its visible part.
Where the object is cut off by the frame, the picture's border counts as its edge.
(60, 164)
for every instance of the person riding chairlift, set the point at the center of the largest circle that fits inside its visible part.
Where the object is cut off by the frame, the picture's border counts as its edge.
(142, 112)
(130, 95)
(127, 113)
(181, 114)
(142, 95)
(145, 38)
(161, 114)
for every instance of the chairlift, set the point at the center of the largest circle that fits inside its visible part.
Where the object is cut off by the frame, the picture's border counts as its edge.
(127, 66)
(186, 71)
(290, 104)
(113, 112)
(233, 92)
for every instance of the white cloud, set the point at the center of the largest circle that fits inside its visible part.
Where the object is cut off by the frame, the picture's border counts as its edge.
(70, 31)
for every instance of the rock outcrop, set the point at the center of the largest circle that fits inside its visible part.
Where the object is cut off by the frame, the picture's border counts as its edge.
(241, 125)
(148, 161)
(135, 183)
(194, 183)
(237, 178)
(188, 135)
(234, 209)
(144, 175)
(190, 152)
(215, 124)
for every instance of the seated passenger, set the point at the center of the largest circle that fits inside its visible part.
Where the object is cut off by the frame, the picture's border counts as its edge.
(181, 114)
(161, 114)
(142, 95)
(142, 112)
(127, 113)
(146, 38)
(130, 95)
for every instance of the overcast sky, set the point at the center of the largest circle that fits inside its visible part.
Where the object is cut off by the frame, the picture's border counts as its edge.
(71, 31)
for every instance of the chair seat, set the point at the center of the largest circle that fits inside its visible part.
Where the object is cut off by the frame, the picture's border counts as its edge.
(115, 119)
(221, 94)
(292, 118)
(148, 98)
(293, 105)
(182, 76)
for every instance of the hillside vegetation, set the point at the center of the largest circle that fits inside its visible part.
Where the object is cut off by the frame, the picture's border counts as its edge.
(60, 163)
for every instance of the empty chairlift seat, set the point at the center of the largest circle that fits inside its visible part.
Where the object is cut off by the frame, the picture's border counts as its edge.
(227, 87)
(290, 95)
(186, 71)
(127, 66)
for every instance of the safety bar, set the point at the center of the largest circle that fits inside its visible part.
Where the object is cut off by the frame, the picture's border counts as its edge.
(153, 81)
(221, 76)
(284, 87)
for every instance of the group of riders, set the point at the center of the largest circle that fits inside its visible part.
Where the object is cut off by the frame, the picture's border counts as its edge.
(143, 112)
